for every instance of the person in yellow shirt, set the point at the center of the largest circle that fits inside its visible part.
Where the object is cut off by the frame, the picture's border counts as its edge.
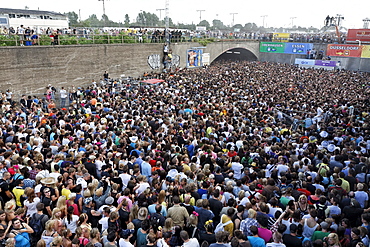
(67, 189)
(18, 191)
(228, 217)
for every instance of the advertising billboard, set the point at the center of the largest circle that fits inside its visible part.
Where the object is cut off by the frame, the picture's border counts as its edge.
(327, 63)
(365, 51)
(297, 48)
(194, 58)
(308, 62)
(281, 37)
(363, 35)
(339, 50)
(272, 47)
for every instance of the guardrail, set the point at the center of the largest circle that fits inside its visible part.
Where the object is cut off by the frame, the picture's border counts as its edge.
(92, 38)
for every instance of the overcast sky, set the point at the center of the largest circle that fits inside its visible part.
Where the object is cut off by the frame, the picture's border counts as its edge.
(279, 13)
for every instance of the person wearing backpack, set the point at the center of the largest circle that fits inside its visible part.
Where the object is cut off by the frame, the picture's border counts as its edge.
(322, 210)
(37, 223)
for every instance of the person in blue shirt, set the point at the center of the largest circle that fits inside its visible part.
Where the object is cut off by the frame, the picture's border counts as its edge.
(255, 240)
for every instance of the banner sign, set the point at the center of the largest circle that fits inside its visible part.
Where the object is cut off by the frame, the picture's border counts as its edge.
(194, 58)
(327, 63)
(362, 35)
(301, 61)
(272, 47)
(339, 50)
(281, 37)
(297, 48)
(365, 51)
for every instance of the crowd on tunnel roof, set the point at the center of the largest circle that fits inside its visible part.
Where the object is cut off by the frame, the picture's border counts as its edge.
(233, 154)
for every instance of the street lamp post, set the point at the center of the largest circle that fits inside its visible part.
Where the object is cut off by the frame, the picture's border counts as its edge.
(292, 18)
(233, 14)
(263, 20)
(103, 9)
(160, 13)
(200, 14)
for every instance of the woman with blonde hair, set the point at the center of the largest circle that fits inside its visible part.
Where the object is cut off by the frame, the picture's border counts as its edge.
(302, 205)
(168, 225)
(248, 222)
(82, 234)
(333, 240)
(49, 233)
(41, 243)
(82, 222)
(134, 212)
(95, 237)
(10, 242)
(57, 242)
(62, 205)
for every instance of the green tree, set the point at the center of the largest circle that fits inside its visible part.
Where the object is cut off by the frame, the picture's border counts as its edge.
(147, 19)
(217, 24)
(73, 18)
(204, 23)
(94, 21)
(249, 27)
(127, 20)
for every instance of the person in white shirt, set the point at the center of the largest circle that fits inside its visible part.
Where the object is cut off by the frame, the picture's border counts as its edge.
(125, 238)
(188, 242)
(237, 168)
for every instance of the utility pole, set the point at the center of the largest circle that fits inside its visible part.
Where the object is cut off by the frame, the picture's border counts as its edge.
(160, 13)
(103, 9)
(200, 14)
(263, 20)
(233, 14)
(167, 34)
(292, 18)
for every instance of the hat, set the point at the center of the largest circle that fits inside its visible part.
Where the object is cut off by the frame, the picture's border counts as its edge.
(324, 134)
(71, 195)
(142, 214)
(109, 200)
(324, 225)
(126, 233)
(48, 180)
(211, 176)
(92, 157)
(325, 144)
(331, 147)
(88, 200)
(133, 138)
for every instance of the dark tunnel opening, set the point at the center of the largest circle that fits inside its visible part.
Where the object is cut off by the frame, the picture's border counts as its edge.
(236, 54)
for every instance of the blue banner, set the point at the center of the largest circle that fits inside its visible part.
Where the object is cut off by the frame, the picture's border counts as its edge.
(297, 48)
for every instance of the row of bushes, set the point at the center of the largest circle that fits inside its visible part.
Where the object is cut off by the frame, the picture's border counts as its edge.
(13, 40)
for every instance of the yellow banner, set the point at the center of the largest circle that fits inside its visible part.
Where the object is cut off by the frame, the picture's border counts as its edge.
(365, 51)
(281, 37)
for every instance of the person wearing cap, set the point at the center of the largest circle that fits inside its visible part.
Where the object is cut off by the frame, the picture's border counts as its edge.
(92, 214)
(321, 234)
(108, 203)
(125, 238)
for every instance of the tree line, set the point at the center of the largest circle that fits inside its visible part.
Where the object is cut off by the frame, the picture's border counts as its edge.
(146, 19)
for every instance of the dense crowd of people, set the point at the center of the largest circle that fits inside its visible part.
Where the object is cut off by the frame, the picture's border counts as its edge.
(235, 154)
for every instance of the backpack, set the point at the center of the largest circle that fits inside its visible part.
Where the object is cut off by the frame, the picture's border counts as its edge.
(36, 225)
(321, 211)
(252, 195)
(220, 226)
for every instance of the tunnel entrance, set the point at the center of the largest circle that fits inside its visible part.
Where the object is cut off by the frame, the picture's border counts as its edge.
(236, 54)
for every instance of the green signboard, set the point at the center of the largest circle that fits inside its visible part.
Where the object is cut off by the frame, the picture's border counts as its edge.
(272, 47)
